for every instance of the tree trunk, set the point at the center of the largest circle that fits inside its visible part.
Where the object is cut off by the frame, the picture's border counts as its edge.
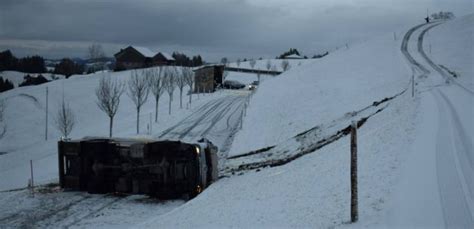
(157, 102)
(138, 120)
(181, 98)
(171, 99)
(110, 125)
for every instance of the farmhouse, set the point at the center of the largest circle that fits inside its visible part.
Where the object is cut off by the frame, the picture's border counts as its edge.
(140, 57)
(208, 77)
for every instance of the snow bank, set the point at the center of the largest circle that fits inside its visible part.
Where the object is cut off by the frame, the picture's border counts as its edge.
(321, 90)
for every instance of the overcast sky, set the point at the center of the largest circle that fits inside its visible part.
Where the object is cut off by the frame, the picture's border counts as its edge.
(212, 28)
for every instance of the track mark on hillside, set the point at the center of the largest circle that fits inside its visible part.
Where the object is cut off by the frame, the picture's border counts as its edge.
(407, 54)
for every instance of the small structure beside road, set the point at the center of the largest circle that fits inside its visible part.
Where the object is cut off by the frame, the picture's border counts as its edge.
(208, 77)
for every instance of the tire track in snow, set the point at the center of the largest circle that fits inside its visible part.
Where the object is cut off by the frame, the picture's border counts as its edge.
(190, 117)
(225, 111)
(463, 146)
(456, 210)
(195, 117)
(407, 54)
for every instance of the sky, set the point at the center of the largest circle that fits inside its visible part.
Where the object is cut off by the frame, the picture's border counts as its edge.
(211, 28)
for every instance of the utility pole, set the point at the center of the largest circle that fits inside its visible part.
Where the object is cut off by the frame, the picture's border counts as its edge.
(46, 127)
(354, 196)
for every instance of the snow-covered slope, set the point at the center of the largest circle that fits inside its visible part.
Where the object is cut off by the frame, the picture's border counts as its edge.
(395, 150)
(17, 77)
(322, 90)
(274, 63)
(452, 46)
(25, 119)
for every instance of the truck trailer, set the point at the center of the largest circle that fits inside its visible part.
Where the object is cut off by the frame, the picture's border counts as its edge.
(163, 169)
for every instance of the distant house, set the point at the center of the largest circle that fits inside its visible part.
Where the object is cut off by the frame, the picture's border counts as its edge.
(139, 57)
(294, 56)
(208, 77)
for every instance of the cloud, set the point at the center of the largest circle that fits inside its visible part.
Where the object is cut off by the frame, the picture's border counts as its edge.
(214, 28)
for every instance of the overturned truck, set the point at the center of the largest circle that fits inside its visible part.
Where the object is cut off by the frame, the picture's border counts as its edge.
(164, 169)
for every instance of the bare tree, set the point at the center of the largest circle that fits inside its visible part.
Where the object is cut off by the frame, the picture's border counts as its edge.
(188, 75)
(65, 119)
(138, 91)
(224, 60)
(3, 125)
(269, 65)
(170, 84)
(285, 65)
(252, 63)
(238, 62)
(156, 86)
(108, 97)
(180, 82)
(96, 53)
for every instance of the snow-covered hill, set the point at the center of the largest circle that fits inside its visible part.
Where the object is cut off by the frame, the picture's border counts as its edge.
(17, 77)
(314, 191)
(274, 64)
(322, 90)
(396, 157)
(25, 118)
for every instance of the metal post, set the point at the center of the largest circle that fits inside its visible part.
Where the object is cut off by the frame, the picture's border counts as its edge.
(413, 85)
(354, 198)
(46, 126)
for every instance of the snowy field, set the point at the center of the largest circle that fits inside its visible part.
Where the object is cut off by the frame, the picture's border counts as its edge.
(322, 90)
(415, 156)
(274, 63)
(25, 118)
(398, 182)
(447, 50)
(17, 77)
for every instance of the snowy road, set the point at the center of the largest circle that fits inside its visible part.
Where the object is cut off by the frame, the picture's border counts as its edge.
(440, 187)
(218, 120)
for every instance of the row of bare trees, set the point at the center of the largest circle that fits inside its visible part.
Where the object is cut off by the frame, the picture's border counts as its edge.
(138, 87)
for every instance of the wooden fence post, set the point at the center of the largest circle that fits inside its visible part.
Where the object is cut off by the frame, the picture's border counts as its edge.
(354, 198)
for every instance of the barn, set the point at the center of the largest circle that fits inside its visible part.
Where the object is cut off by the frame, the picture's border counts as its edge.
(133, 57)
(208, 77)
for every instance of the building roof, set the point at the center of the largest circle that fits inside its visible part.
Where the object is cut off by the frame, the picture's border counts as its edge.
(293, 56)
(167, 56)
(148, 53)
(144, 51)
